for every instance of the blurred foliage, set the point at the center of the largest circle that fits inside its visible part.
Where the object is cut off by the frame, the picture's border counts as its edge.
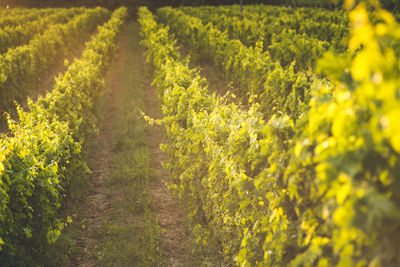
(391, 5)
(157, 3)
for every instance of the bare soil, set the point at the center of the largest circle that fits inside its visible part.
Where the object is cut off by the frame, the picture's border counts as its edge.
(95, 210)
(97, 204)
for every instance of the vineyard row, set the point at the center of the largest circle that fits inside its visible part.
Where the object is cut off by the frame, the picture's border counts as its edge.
(45, 149)
(317, 188)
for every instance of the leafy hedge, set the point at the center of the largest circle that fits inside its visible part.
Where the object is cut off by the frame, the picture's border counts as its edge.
(13, 36)
(252, 70)
(307, 27)
(44, 148)
(283, 46)
(21, 16)
(321, 190)
(24, 65)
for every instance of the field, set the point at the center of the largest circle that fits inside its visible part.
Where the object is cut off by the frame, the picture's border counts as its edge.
(200, 136)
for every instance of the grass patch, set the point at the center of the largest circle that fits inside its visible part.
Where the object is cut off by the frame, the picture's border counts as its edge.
(130, 236)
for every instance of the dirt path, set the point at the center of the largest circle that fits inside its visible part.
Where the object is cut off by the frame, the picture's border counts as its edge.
(129, 217)
(97, 203)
